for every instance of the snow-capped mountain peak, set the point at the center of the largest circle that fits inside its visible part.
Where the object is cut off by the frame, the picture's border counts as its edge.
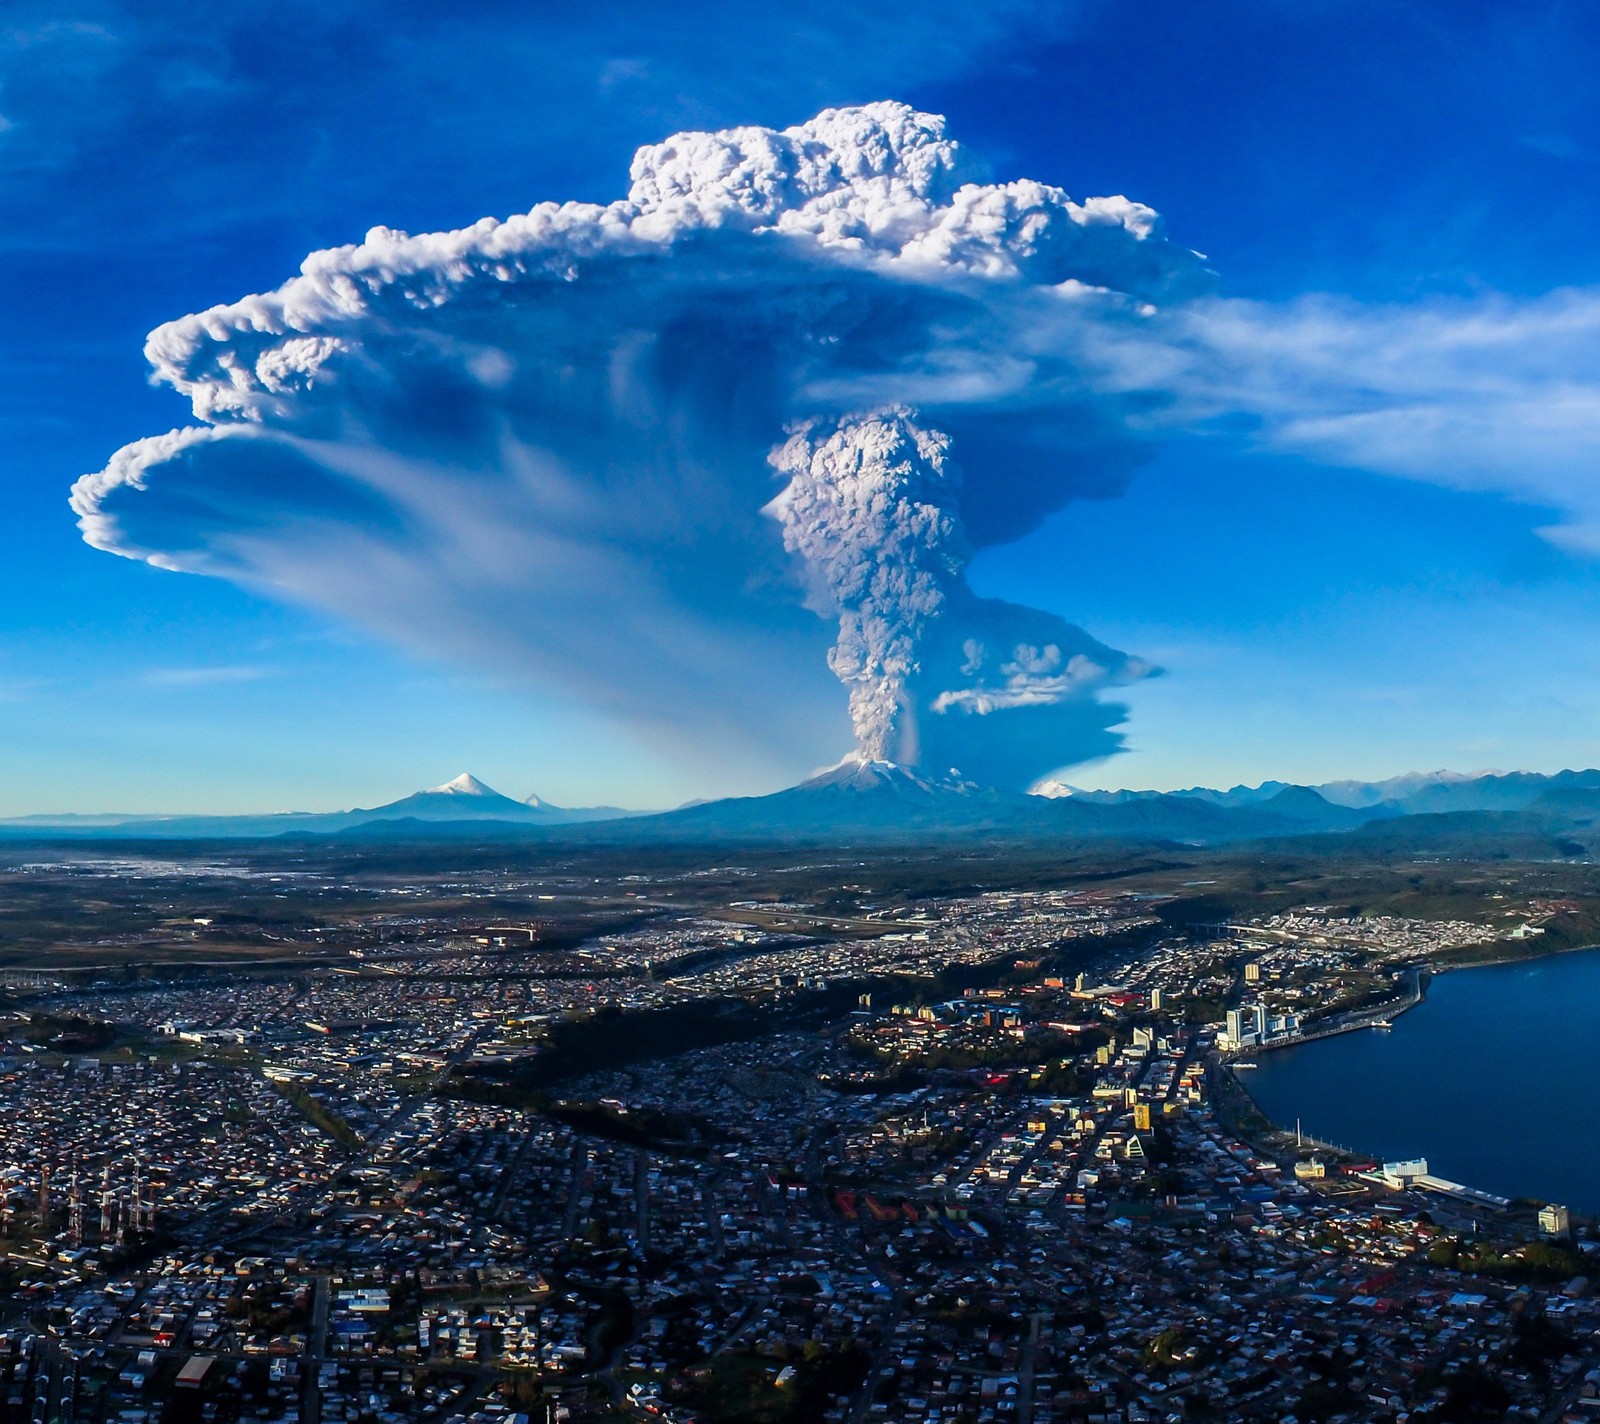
(1400, 788)
(536, 802)
(464, 785)
(1052, 789)
(861, 774)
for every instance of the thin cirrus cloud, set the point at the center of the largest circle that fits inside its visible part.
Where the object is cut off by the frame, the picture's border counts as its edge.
(1490, 394)
(187, 677)
(689, 453)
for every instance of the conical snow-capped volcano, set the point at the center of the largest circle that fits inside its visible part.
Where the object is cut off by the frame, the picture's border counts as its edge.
(464, 785)
(466, 799)
(872, 777)
(860, 794)
(1053, 790)
(463, 799)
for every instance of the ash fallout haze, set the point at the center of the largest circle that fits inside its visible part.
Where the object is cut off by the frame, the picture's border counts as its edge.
(1102, 393)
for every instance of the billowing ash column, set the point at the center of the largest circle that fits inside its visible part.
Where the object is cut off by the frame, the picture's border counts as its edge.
(870, 509)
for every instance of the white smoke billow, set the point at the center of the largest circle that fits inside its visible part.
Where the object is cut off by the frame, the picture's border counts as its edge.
(632, 451)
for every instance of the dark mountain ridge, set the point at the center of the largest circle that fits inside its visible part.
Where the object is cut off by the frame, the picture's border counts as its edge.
(883, 802)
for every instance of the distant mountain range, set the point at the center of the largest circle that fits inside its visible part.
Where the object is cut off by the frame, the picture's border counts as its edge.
(463, 801)
(1557, 815)
(1417, 793)
(882, 799)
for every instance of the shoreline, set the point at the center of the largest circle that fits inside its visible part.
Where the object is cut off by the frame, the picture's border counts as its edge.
(1229, 1064)
(1373, 1014)
(1446, 966)
(1370, 1017)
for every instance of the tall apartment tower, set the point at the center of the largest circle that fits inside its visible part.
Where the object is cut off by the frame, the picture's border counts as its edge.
(1554, 1221)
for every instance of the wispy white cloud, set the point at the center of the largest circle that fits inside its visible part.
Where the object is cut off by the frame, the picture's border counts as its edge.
(23, 689)
(182, 677)
(1491, 394)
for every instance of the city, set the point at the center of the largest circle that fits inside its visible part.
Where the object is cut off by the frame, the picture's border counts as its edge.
(967, 1157)
(850, 713)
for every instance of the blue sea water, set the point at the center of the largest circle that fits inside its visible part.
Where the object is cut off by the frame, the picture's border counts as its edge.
(1494, 1078)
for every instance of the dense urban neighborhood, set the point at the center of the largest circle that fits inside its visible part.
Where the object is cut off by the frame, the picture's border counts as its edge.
(971, 1157)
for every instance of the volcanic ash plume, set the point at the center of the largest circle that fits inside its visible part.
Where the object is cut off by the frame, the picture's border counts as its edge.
(870, 508)
(539, 446)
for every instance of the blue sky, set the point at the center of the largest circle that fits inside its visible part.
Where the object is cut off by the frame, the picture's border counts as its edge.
(1313, 618)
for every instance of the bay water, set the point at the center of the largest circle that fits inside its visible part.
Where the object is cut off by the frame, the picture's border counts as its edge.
(1494, 1078)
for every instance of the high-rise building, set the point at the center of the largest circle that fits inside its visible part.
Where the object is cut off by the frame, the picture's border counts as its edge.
(1240, 1026)
(1252, 972)
(1554, 1221)
(1155, 1001)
